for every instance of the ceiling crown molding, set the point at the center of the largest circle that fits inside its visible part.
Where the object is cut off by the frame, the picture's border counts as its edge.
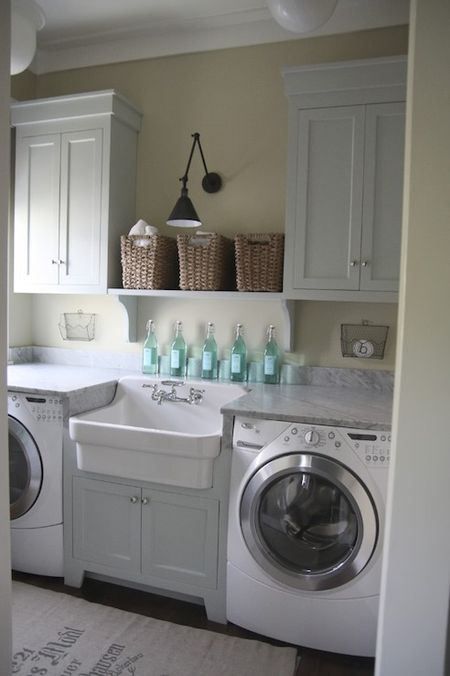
(200, 34)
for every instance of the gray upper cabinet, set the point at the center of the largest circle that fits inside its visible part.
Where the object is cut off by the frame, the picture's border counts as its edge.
(382, 196)
(345, 180)
(74, 191)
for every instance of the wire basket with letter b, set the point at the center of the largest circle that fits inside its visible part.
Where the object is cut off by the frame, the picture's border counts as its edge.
(363, 340)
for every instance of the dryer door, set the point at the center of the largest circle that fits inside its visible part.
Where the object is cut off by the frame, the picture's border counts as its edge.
(25, 469)
(308, 521)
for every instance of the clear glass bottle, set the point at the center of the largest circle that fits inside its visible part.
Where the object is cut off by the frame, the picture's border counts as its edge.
(178, 353)
(150, 350)
(238, 366)
(271, 358)
(209, 354)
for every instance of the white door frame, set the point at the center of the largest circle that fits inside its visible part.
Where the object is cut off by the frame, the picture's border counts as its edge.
(5, 559)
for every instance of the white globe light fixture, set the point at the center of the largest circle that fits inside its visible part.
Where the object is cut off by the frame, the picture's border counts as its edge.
(301, 16)
(26, 19)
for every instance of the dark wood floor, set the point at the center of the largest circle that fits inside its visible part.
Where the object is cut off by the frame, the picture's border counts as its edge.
(312, 663)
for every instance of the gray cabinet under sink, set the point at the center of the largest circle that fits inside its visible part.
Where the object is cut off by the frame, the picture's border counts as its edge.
(145, 532)
(160, 538)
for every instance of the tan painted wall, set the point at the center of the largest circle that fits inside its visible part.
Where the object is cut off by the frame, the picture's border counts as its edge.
(235, 99)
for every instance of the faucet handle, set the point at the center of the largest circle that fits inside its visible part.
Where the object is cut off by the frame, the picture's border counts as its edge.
(195, 395)
(174, 383)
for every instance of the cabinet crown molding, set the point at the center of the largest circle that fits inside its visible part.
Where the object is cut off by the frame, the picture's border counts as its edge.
(89, 104)
(376, 75)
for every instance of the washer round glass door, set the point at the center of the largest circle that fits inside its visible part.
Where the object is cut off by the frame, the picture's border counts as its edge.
(25, 469)
(308, 521)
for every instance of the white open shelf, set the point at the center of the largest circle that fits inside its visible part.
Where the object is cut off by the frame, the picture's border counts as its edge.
(128, 298)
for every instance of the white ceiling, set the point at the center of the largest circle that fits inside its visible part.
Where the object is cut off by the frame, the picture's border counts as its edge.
(87, 32)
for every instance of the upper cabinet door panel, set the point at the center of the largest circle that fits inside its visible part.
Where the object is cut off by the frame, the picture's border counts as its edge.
(37, 210)
(75, 190)
(328, 202)
(81, 207)
(383, 192)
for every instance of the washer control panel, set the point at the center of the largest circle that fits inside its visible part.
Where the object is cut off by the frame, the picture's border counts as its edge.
(252, 434)
(371, 446)
(48, 409)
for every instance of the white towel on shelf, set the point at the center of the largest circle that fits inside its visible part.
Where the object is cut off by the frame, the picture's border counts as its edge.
(143, 228)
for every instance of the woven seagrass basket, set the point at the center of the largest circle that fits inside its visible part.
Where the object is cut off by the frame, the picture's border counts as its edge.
(154, 266)
(259, 261)
(206, 262)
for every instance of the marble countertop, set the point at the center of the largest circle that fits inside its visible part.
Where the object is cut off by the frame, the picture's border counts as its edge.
(337, 406)
(83, 388)
(59, 379)
(89, 387)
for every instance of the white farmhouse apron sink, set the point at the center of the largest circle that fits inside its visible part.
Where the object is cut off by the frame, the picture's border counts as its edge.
(135, 437)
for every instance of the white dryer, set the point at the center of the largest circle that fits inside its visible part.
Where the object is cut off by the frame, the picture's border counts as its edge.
(305, 533)
(35, 427)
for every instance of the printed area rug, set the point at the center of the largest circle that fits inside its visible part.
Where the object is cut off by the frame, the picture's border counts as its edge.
(56, 634)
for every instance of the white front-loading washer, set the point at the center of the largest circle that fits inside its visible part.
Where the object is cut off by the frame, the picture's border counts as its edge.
(305, 533)
(35, 440)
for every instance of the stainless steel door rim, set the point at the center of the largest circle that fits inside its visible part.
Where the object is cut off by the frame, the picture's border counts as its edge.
(31, 459)
(352, 492)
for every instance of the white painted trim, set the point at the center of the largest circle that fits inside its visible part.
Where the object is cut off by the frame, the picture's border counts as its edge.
(413, 629)
(235, 29)
(346, 75)
(5, 563)
(107, 102)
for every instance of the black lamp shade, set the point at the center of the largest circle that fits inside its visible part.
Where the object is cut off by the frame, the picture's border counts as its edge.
(183, 214)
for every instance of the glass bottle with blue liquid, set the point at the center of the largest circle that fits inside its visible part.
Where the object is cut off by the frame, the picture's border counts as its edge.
(178, 353)
(238, 366)
(271, 358)
(209, 354)
(150, 350)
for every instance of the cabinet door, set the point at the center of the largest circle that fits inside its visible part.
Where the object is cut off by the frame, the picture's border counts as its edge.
(383, 194)
(326, 198)
(36, 216)
(80, 213)
(179, 537)
(107, 524)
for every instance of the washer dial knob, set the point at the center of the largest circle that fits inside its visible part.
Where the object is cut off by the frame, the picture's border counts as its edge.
(312, 437)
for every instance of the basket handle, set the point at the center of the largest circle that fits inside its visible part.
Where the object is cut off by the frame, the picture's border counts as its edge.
(257, 242)
(200, 238)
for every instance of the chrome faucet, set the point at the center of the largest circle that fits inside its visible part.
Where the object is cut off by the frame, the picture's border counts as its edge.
(195, 395)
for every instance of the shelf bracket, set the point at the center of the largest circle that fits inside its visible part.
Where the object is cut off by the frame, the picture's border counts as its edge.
(129, 306)
(288, 308)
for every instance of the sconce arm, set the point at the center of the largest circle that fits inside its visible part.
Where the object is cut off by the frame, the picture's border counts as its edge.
(211, 182)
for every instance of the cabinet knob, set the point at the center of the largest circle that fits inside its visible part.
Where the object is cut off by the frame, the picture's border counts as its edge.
(134, 499)
(365, 264)
(61, 262)
(55, 262)
(145, 501)
(354, 263)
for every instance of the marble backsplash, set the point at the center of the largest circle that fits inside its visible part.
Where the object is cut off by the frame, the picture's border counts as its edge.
(320, 376)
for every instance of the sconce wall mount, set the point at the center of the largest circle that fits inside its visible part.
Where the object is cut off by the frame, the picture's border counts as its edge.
(183, 214)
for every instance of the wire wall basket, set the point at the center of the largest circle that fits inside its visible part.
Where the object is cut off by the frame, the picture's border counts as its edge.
(364, 341)
(77, 326)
